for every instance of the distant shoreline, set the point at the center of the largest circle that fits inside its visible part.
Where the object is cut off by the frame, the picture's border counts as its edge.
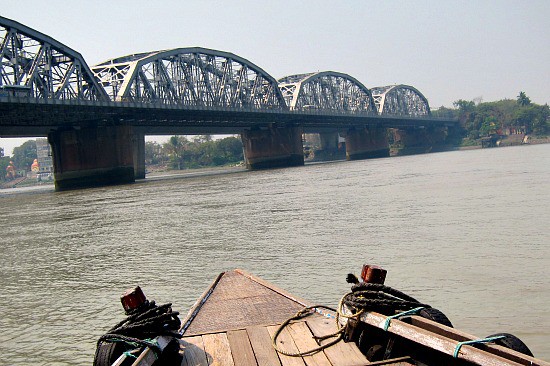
(171, 174)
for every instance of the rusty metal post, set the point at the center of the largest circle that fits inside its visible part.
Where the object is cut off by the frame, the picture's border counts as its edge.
(132, 299)
(373, 274)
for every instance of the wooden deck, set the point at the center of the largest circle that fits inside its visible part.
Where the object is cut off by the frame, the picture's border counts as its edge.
(253, 310)
(234, 321)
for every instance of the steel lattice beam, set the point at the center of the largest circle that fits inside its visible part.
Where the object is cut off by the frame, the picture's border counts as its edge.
(327, 90)
(402, 100)
(190, 77)
(33, 64)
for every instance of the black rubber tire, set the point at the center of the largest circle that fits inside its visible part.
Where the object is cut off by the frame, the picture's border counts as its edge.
(512, 342)
(108, 352)
(436, 316)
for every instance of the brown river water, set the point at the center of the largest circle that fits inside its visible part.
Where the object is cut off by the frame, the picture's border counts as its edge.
(467, 232)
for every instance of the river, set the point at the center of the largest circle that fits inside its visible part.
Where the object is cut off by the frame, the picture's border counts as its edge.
(467, 232)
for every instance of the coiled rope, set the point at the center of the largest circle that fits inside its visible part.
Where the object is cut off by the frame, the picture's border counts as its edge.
(308, 310)
(144, 324)
(379, 298)
(363, 297)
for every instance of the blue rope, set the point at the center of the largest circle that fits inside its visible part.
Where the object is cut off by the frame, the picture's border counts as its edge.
(408, 312)
(475, 341)
(129, 354)
(328, 315)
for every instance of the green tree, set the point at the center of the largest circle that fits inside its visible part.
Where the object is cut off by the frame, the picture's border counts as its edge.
(488, 126)
(154, 153)
(523, 99)
(203, 151)
(175, 148)
(444, 112)
(229, 150)
(24, 155)
(535, 118)
(541, 123)
(4, 161)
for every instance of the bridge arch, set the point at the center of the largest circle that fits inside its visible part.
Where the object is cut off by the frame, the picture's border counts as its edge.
(401, 100)
(35, 65)
(326, 90)
(190, 76)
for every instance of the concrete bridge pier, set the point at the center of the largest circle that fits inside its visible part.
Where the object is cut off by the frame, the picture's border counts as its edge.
(330, 148)
(367, 143)
(138, 140)
(273, 147)
(418, 140)
(93, 156)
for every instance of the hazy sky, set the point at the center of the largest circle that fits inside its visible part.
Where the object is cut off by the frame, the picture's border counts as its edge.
(449, 50)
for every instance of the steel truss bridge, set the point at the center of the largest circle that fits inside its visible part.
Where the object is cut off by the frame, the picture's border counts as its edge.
(46, 85)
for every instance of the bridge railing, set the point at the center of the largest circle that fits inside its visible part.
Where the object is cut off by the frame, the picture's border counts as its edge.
(18, 98)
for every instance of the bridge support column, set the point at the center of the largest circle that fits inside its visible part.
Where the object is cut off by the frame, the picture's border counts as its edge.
(139, 154)
(368, 143)
(92, 157)
(418, 140)
(330, 148)
(329, 140)
(273, 147)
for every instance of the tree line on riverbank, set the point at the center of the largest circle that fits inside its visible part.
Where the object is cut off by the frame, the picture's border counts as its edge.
(201, 151)
(481, 119)
(180, 152)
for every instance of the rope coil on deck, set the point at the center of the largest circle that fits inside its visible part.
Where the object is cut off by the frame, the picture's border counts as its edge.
(363, 297)
(379, 298)
(308, 310)
(144, 324)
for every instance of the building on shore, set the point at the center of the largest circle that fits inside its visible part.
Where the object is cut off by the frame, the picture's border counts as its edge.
(44, 157)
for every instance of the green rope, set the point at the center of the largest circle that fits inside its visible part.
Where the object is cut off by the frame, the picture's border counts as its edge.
(475, 341)
(408, 312)
(129, 354)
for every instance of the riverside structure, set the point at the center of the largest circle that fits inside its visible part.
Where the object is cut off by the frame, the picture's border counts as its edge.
(96, 117)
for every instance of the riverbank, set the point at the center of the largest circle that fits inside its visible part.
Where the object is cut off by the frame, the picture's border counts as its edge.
(162, 172)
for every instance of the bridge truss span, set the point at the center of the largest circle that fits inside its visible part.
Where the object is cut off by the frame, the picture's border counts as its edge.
(35, 65)
(326, 90)
(190, 77)
(401, 100)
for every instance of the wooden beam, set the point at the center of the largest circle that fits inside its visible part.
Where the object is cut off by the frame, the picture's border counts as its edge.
(442, 343)
(261, 344)
(241, 349)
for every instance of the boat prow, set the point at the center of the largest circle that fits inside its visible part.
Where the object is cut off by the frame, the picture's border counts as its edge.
(242, 320)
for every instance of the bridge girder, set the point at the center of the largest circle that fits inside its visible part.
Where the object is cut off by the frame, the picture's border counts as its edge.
(327, 90)
(190, 77)
(402, 100)
(33, 64)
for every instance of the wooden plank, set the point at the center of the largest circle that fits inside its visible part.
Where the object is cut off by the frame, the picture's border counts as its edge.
(241, 349)
(436, 341)
(303, 338)
(262, 347)
(198, 304)
(218, 352)
(340, 354)
(193, 351)
(274, 288)
(461, 336)
(286, 343)
(238, 302)
(399, 361)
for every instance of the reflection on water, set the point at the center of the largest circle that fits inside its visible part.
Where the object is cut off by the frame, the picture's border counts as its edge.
(466, 232)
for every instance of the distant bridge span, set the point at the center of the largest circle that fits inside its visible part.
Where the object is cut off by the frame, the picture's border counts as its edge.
(47, 89)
